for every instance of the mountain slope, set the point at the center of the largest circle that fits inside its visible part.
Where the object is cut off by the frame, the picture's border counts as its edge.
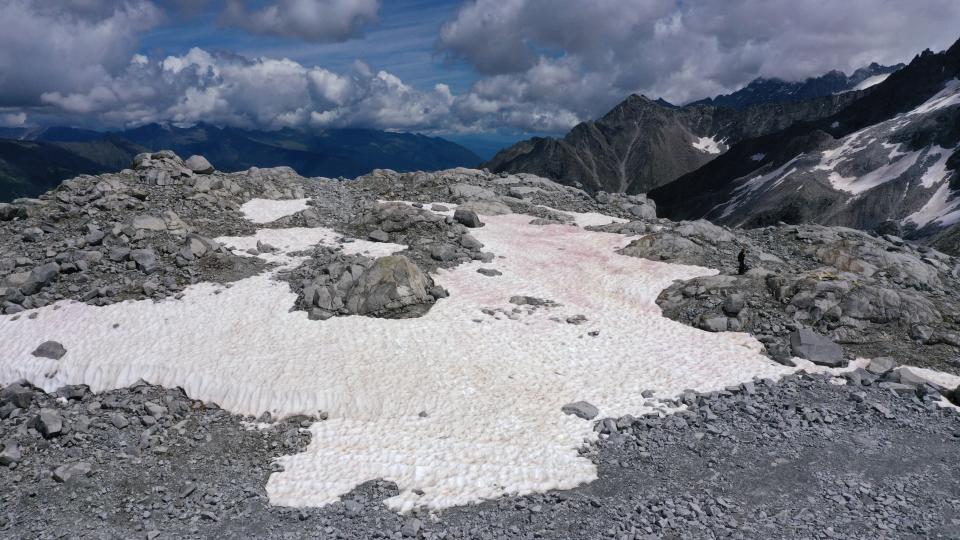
(892, 154)
(642, 144)
(28, 168)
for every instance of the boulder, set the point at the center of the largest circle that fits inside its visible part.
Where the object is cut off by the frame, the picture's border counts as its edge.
(819, 349)
(467, 218)
(393, 287)
(50, 349)
(443, 252)
(146, 260)
(881, 365)
(486, 208)
(49, 423)
(72, 471)
(11, 453)
(199, 165)
(148, 223)
(662, 246)
(379, 236)
(581, 409)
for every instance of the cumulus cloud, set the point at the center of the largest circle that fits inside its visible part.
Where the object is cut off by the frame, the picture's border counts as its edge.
(14, 119)
(309, 20)
(228, 89)
(66, 45)
(546, 60)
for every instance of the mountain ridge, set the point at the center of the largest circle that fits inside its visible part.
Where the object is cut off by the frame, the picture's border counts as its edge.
(328, 153)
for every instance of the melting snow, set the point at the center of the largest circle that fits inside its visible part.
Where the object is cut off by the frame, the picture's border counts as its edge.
(743, 191)
(267, 210)
(937, 171)
(948, 97)
(871, 81)
(880, 175)
(491, 390)
(708, 145)
(939, 209)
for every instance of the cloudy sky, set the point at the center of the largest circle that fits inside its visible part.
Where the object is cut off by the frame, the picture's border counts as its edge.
(435, 66)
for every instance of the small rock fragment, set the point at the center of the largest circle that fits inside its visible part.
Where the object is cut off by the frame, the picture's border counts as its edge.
(581, 409)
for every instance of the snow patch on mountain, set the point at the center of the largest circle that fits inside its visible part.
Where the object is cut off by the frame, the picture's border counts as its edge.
(456, 406)
(871, 81)
(709, 145)
(948, 97)
(266, 210)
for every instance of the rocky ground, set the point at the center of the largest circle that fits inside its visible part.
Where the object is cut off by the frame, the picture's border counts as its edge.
(804, 457)
(801, 458)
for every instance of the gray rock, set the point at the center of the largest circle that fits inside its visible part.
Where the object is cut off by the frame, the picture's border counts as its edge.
(49, 423)
(489, 272)
(119, 421)
(32, 234)
(714, 324)
(11, 453)
(819, 349)
(581, 409)
(40, 277)
(411, 528)
(467, 218)
(19, 395)
(881, 365)
(443, 252)
(921, 333)
(148, 223)
(733, 304)
(199, 165)
(379, 235)
(486, 208)
(50, 349)
(8, 212)
(72, 471)
(146, 260)
(393, 287)
(471, 243)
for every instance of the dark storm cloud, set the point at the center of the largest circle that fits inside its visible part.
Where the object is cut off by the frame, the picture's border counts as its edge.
(310, 20)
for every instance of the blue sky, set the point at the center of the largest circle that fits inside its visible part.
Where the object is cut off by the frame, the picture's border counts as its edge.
(481, 72)
(402, 41)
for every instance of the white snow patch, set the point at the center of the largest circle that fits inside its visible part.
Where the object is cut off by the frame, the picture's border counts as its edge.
(708, 145)
(871, 81)
(267, 210)
(948, 97)
(745, 190)
(876, 177)
(894, 150)
(937, 171)
(939, 378)
(492, 390)
(940, 209)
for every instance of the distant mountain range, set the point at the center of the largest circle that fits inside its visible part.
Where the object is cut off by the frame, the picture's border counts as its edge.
(892, 155)
(32, 160)
(780, 91)
(643, 144)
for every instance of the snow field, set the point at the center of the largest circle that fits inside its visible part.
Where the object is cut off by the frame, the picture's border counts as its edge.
(456, 406)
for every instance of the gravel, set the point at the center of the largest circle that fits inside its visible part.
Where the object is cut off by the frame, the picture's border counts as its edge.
(801, 458)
